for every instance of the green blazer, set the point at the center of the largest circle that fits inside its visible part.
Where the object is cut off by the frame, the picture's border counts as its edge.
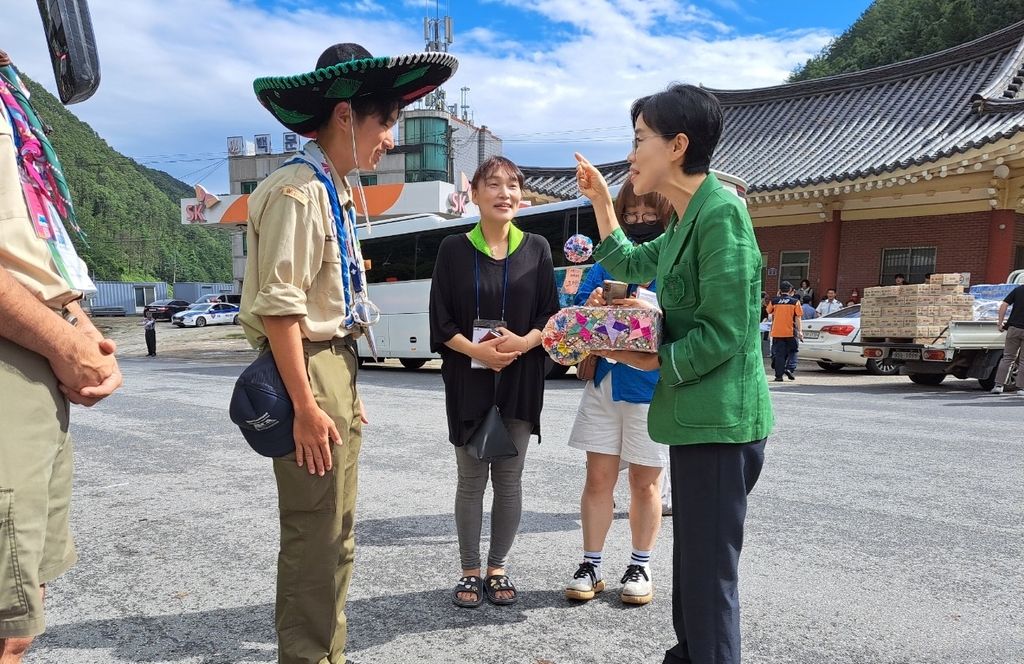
(712, 387)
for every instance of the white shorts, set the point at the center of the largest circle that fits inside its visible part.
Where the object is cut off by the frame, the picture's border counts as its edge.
(617, 428)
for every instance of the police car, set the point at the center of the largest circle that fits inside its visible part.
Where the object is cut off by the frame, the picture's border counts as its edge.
(207, 313)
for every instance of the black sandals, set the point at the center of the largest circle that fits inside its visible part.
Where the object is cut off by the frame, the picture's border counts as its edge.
(497, 583)
(468, 584)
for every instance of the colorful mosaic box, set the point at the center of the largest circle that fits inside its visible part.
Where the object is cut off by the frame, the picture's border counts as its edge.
(575, 331)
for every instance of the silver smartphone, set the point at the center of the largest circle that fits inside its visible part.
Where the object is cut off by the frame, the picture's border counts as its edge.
(614, 290)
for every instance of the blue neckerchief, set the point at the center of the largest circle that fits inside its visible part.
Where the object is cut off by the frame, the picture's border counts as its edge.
(352, 275)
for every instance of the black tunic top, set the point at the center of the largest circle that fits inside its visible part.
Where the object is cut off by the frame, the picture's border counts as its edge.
(531, 300)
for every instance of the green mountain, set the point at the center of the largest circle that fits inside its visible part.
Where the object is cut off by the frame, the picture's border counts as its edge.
(130, 214)
(894, 30)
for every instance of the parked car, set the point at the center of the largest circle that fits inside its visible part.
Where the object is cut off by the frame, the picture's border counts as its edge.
(165, 309)
(824, 338)
(230, 298)
(207, 313)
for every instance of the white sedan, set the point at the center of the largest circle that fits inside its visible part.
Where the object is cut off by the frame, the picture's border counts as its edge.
(824, 338)
(207, 313)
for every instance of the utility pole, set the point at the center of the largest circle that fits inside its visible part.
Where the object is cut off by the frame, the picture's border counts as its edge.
(449, 140)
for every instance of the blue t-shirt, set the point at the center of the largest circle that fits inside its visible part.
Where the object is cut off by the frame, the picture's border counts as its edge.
(628, 384)
(809, 312)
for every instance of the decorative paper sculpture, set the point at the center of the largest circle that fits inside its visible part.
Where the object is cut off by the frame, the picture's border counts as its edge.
(575, 331)
(578, 248)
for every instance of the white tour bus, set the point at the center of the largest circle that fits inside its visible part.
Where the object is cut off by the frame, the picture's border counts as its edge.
(402, 252)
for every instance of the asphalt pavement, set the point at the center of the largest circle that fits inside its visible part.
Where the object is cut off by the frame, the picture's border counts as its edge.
(886, 528)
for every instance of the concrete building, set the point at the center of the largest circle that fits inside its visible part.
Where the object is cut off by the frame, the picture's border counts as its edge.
(428, 171)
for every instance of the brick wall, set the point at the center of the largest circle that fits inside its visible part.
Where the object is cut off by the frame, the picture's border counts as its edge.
(1018, 234)
(961, 242)
(773, 240)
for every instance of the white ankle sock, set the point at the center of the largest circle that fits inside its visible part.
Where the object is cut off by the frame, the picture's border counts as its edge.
(640, 558)
(594, 558)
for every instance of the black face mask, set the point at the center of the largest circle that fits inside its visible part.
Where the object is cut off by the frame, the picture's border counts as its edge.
(640, 233)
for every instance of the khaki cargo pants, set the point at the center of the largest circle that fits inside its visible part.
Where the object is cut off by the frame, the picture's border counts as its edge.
(35, 488)
(314, 567)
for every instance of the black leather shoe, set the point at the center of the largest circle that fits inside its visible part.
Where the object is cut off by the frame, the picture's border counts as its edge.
(789, 375)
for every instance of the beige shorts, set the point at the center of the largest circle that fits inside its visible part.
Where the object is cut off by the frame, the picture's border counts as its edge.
(35, 488)
(617, 428)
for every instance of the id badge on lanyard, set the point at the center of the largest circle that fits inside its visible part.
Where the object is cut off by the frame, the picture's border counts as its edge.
(487, 329)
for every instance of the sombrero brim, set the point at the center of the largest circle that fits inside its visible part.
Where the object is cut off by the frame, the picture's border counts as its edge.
(298, 101)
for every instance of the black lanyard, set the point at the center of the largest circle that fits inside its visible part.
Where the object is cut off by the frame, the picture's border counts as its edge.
(504, 291)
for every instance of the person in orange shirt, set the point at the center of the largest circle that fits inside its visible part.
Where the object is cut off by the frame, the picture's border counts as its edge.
(786, 313)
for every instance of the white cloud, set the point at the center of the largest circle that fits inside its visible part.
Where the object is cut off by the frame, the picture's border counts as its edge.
(177, 76)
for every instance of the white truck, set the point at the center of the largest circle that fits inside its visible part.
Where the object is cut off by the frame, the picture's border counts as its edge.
(969, 349)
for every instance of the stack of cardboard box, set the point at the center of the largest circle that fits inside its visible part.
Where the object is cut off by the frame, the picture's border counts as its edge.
(920, 311)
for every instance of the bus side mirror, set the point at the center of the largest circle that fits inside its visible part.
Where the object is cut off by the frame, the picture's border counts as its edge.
(72, 46)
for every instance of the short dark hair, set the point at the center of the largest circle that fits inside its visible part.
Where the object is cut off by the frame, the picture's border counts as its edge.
(831, 290)
(629, 198)
(496, 165)
(900, 275)
(806, 299)
(684, 109)
(381, 106)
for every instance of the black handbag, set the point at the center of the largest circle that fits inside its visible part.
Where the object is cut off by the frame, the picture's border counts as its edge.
(490, 441)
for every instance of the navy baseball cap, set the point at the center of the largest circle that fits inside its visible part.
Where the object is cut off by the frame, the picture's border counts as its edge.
(785, 287)
(261, 408)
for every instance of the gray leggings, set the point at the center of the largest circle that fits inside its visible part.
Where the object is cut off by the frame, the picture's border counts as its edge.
(506, 480)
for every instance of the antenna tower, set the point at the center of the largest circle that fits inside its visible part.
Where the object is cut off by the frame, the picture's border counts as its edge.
(439, 35)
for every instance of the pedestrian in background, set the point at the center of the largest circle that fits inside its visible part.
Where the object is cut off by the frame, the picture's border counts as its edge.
(807, 311)
(1014, 328)
(805, 290)
(149, 325)
(493, 279)
(829, 305)
(711, 404)
(786, 313)
(611, 427)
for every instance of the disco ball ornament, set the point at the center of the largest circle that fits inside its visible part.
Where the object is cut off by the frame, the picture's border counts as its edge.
(578, 248)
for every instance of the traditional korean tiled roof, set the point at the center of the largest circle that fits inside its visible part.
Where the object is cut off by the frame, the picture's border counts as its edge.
(859, 125)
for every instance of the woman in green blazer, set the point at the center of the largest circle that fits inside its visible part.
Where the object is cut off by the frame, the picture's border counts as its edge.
(711, 403)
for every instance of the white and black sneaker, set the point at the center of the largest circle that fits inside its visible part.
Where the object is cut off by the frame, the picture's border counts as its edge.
(637, 587)
(585, 583)
(998, 389)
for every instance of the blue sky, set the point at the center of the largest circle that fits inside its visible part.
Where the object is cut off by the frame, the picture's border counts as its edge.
(547, 76)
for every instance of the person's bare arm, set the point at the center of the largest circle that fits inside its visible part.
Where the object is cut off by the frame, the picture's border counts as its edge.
(85, 365)
(1002, 315)
(314, 430)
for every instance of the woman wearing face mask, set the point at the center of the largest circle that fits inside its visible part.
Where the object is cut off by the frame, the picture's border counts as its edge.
(711, 405)
(493, 277)
(611, 426)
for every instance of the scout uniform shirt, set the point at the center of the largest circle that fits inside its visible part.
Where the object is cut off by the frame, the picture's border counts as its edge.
(294, 264)
(23, 253)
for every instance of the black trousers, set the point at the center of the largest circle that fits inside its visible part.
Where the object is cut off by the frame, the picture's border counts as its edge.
(710, 483)
(784, 354)
(151, 342)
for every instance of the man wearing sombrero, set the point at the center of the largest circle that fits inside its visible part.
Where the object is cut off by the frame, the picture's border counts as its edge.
(304, 298)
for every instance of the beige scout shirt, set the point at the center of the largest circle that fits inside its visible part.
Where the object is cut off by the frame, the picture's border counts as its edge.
(294, 265)
(22, 252)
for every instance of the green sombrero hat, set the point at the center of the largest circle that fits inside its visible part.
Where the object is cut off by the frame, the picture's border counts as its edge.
(346, 71)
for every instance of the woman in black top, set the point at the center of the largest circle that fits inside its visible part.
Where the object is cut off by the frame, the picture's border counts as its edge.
(494, 273)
